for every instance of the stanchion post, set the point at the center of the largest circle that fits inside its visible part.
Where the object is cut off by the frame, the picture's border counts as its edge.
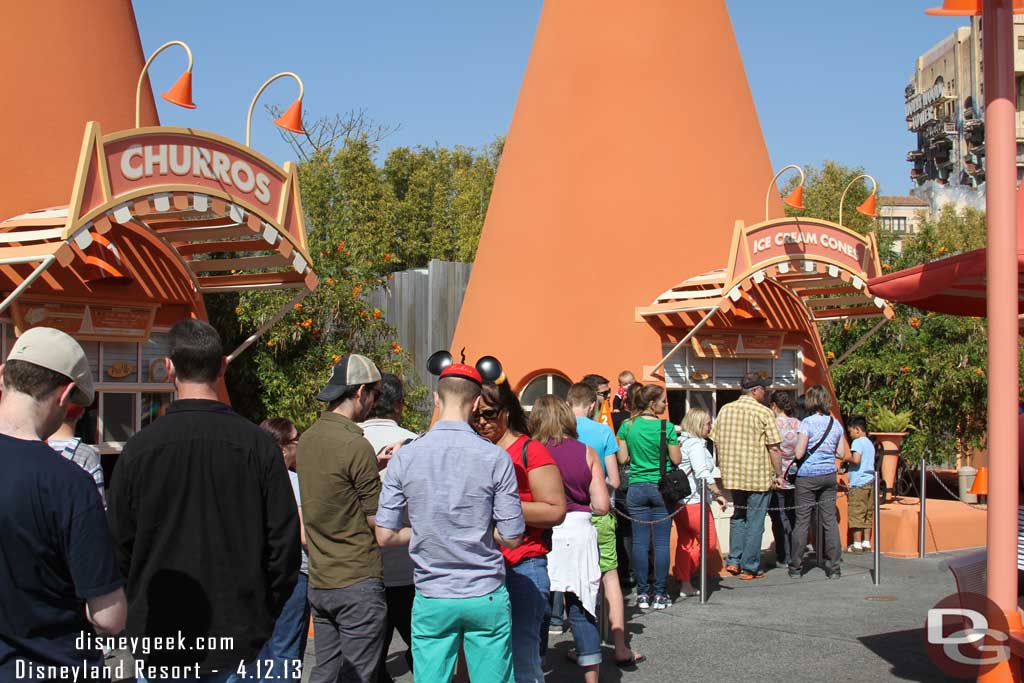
(875, 541)
(922, 520)
(703, 541)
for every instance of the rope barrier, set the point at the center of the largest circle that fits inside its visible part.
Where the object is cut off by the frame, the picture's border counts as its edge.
(734, 506)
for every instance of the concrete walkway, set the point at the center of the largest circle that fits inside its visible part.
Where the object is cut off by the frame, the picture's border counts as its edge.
(778, 629)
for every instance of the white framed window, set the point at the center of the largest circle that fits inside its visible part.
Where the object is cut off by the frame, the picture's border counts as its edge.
(542, 385)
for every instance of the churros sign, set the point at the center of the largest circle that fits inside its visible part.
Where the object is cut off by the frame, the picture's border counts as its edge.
(166, 158)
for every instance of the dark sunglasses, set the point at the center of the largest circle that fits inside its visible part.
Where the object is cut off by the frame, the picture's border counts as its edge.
(605, 394)
(487, 414)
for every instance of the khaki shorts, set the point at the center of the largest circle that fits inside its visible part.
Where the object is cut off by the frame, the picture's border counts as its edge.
(608, 558)
(860, 509)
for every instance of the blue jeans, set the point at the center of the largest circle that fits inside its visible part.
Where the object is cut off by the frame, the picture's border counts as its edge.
(288, 641)
(528, 587)
(557, 610)
(643, 501)
(746, 529)
(584, 632)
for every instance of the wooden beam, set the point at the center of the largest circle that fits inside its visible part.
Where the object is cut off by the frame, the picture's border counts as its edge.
(220, 265)
(203, 234)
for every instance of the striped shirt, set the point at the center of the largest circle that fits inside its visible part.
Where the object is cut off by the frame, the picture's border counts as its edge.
(83, 455)
(742, 434)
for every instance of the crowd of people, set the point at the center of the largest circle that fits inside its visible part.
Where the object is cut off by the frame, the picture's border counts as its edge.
(218, 540)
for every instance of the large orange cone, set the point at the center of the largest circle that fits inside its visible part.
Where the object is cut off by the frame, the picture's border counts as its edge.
(617, 180)
(980, 487)
(87, 71)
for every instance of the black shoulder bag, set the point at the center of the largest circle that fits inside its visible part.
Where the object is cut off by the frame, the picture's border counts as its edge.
(545, 536)
(794, 467)
(674, 484)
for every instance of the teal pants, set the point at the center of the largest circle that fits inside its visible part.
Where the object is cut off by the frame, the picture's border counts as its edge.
(482, 625)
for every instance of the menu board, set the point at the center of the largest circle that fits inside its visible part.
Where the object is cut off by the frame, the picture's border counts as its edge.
(733, 345)
(86, 321)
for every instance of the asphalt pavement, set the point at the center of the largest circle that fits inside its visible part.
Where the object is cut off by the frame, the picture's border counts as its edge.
(775, 629)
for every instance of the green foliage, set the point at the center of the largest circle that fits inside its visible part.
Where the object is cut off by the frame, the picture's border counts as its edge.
(363, 222)
(889, 422)
(929, 365)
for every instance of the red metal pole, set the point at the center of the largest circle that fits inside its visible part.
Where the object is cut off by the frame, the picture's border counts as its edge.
(1001, 179)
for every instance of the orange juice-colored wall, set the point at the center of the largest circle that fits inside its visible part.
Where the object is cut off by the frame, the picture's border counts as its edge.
(65, 63)
(634, 147)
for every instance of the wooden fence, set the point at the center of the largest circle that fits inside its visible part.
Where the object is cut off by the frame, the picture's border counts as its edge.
(423, 304)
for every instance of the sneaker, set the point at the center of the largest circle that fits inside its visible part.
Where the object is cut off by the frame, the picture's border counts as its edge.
(643, 602)
(661, 602)
(866, 547)
(795, 573)
(750, 576)
(809, 550)
(855, 548)
(834, 575)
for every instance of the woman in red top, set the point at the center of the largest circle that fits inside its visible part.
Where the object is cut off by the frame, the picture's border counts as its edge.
(501, 420)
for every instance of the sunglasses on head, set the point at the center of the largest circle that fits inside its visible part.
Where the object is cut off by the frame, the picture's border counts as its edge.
(487, 413)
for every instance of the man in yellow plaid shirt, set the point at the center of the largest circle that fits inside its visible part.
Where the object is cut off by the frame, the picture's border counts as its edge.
(747, 444)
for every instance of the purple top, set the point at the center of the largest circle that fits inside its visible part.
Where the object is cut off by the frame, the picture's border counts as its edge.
(571, 458)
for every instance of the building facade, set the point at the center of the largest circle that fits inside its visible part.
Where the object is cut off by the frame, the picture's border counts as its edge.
(945, 102)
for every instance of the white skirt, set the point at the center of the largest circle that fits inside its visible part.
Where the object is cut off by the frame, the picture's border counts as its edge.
(573, 565)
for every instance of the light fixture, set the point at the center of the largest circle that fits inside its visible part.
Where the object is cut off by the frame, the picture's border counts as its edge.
(179, 94)
(966, 8)
(291, 120)
(795, 198)
(867, 207)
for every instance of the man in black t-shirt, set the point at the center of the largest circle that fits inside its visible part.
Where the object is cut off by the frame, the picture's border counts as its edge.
(59, 578)
(207, 531)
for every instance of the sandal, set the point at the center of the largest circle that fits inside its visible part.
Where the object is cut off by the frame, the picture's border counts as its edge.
(635, 659)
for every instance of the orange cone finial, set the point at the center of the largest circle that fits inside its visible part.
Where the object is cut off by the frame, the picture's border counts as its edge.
(980, 487)
(868, 207)
(291, 120)
(181, 92)
(796, 198)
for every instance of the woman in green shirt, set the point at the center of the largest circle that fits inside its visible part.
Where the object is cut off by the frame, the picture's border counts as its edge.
(640, 446)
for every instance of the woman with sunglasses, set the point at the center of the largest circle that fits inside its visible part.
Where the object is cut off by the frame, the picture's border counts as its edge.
(288, 642)
(640, 446)
(574, 566)
(500, 419)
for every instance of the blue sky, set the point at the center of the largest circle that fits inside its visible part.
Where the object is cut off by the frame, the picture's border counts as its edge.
(827, 77)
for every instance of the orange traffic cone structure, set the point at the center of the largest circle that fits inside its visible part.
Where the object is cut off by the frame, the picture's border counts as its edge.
(604, 415)
(980, 487)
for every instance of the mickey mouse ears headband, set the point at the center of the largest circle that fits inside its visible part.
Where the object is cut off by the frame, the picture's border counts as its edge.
(488, 368)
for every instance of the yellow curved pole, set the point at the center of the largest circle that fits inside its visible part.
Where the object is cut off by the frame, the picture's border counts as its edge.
(138, 88)
(842, 198)
(768, 194)
(252, 105)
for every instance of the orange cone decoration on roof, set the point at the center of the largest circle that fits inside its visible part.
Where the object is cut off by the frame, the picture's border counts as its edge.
(615, 179)
(966, 8)
(181, 92)
(868, 206)
(980, 487)
(796, 198)
(291, 120)
(87, 72)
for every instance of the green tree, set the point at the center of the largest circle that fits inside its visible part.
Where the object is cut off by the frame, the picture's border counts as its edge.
(823, 190)
(931, 364)
(363, 221)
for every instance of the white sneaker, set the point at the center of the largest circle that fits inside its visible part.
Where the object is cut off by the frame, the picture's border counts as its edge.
(866, 546)
(643, 602)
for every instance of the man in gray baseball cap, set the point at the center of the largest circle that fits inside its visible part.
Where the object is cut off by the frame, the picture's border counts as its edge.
(340, 486)
(60, 576)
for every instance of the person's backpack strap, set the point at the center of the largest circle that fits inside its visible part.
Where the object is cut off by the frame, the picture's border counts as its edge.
(663, 450)
(526, 457)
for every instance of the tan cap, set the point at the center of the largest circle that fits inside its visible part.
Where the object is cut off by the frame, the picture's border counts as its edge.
(353, 369)
(55, 350)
